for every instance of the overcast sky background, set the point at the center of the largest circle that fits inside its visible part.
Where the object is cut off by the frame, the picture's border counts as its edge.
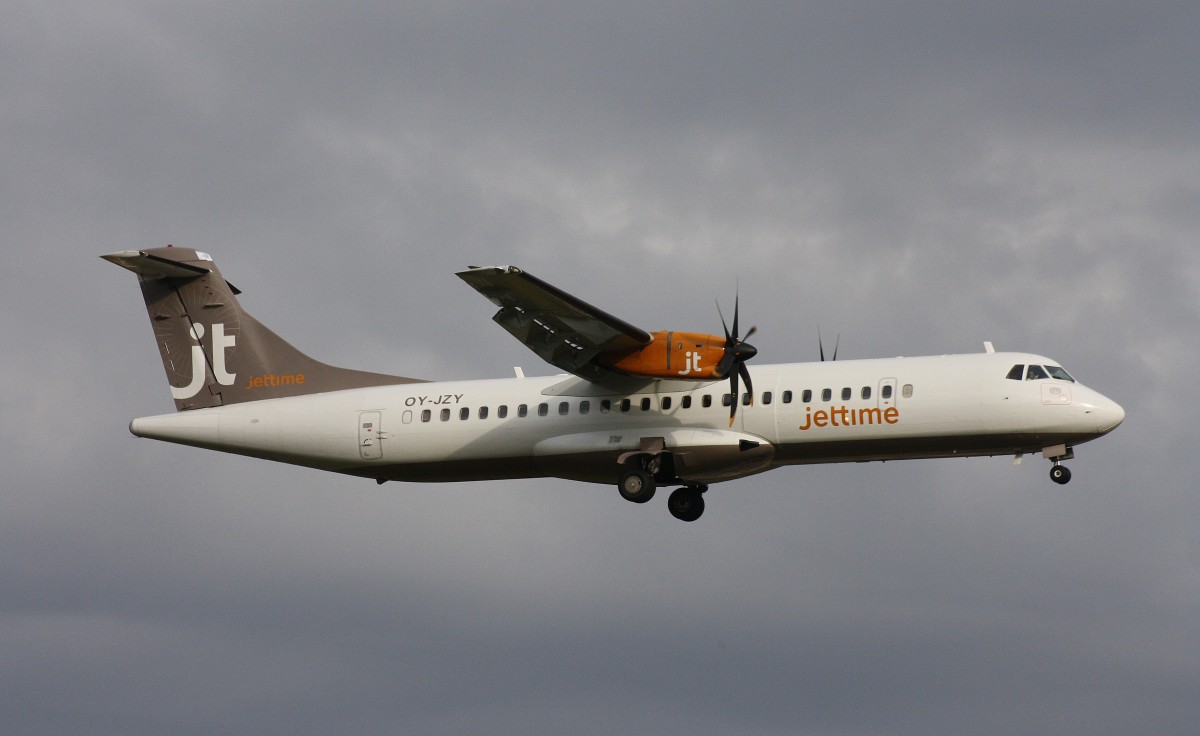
(918, 177)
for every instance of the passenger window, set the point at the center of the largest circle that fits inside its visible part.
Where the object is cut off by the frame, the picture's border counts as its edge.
(522, 410)
(483, 412)
(906, 392)
(645, 403)
(787, 397)
(1035, 372)
(666, 403)
(826, 394)
(745, 399)
(543, 409)
(605, 406)
(727, 400)
(806, 396)
(886, 391)
(686, 402)
(426, 415)
(464, 413)
(1016, 373)
(502, 411)
(866, 392)
(847, 393)
(585, 407)
(766, 398)
(625, 404)
(445, 415)
(706, 401)
(563, 408)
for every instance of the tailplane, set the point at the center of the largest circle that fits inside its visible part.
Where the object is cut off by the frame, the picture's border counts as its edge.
(213, 351)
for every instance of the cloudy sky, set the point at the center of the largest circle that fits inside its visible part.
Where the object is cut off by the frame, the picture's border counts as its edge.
(916, 177)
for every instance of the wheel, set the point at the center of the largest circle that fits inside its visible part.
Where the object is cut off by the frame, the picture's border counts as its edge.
(686, 504)
(1060, 474)
(636, 486)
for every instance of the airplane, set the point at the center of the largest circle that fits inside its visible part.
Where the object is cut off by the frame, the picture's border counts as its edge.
(637, 409)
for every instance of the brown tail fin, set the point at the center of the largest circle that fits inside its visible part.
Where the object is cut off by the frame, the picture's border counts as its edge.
(214, 352)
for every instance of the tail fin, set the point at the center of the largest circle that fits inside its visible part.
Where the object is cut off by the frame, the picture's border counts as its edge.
(214, 352)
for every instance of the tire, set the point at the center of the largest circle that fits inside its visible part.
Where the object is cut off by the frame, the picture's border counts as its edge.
(1060, 474)
(636, 486)
(686, 504)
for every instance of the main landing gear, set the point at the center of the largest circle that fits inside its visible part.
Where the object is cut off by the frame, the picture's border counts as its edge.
(638, 484)
(687, 503)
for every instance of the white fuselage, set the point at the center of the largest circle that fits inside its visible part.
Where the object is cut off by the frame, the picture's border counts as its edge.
(563, 426)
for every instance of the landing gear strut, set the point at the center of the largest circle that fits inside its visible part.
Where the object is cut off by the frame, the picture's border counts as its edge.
(687, 503)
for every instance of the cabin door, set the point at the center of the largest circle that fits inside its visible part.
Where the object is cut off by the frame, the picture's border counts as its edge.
(370, 435)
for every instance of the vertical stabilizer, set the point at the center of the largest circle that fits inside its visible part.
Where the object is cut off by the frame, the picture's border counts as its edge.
(213, 351)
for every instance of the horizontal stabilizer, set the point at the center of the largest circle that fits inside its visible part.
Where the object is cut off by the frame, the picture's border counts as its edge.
(149, 266)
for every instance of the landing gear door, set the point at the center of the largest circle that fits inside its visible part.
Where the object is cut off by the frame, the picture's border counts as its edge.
(370, 435)
(887, 393)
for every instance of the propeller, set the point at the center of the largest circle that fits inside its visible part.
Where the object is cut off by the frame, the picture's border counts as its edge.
(821, 345)
(733, 362)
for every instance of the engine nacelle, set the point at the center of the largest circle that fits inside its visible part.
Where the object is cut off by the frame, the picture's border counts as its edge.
(677, 355)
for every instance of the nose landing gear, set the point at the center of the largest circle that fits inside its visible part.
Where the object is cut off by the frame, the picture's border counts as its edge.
(1060, 474)
(1056, 454)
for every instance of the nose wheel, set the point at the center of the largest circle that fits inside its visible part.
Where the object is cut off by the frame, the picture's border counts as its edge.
(1060, 474)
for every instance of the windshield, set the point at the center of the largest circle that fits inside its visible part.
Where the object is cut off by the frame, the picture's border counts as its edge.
(1059, 373)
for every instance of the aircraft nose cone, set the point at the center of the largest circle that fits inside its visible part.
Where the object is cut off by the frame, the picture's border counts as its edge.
(1109, 414)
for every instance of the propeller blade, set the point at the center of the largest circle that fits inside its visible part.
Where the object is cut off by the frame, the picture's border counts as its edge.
(820, 344)
(735, 316)
(726, 363)
(728, 339)
(835, 345)
(733, 395)
(745, 374)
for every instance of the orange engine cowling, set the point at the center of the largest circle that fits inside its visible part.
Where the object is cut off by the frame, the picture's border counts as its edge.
(679, 355)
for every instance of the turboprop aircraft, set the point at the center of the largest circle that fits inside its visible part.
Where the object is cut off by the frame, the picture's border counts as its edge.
(636, 409)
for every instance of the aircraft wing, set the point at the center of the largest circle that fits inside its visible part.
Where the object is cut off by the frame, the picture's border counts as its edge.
(563, 330)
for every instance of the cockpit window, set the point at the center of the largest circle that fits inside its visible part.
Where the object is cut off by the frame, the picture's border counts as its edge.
(1017, 373)
(1035, 372)
(1059, 373)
